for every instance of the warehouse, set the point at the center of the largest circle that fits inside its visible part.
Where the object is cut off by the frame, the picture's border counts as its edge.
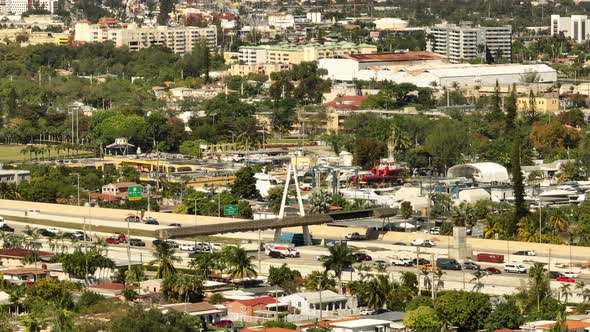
(435, 74)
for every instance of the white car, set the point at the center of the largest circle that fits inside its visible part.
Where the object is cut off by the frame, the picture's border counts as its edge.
(571, 274)
(52, 230)
(216, 246)
(422, 243)
(401, 261)
(187, 247)
(514, 268)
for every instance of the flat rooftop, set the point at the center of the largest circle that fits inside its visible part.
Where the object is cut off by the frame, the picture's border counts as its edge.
(393, 57)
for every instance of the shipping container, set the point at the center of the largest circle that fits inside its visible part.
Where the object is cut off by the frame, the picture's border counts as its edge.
(490, 258)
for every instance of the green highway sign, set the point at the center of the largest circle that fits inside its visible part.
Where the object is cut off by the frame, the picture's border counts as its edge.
(134, 193)
(230, 210)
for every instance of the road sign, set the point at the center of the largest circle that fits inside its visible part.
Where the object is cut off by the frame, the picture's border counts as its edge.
(134, 193)
(230, 210)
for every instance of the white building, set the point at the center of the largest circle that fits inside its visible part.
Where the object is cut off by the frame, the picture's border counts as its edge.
(179, 39)
(14, 176)
(437, 75)
(281, 21)
(308, 303)
(314, 17)
(362, 325)
(574, 27)
(390, 23)
(18, 7)
(459, 43)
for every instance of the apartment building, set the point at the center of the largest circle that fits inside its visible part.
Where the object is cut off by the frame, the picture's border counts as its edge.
(180, 39)
(574, 27)
(17, 7)
(251, 55)
(542, 104)
(464, 42)
(264, 69)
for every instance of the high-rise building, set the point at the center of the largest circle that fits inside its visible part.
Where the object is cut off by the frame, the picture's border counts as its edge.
(574, 27)
(180, 39)
(464, 42)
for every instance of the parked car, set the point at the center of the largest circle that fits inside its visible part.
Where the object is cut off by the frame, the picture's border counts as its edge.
(136, 242)
(5, 228)
(150, 221)
(422, 243)
(116, 239)
(176, 225)
(555, 274)
(514, 268)
(362, 257)
(565, 279)
(435, 230)
(525, 253)
(471, 266)
(187, 247)
(448, 264)
(380, 262)
(492, 270)
(224, 323)
(366, 312)
(276, 254)
(354, 237)
(216, 246)
(571, 274)
(45, 232)
(421, 261)
(401, 261)
(132, 219)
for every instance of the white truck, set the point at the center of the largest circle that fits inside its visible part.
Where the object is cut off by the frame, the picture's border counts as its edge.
(287, 249)
(422, 243)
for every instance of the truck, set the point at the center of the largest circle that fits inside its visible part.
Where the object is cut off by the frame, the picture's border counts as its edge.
(490, 258)
(422, 243)
(287, 249)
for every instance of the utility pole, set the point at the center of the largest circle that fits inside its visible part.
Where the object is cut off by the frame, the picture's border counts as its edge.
(78, 176)
(148, 194)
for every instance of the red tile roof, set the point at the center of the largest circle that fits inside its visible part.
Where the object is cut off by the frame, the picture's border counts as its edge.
(24, 271)
(257, 301)
(20, 253)
(113, 286)
(393, 57)
(346, 102)
(571, 325)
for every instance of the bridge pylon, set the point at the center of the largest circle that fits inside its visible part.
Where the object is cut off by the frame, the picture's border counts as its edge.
(292, 171)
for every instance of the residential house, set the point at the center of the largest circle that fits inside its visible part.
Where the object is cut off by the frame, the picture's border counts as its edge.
(541, 326)
(362, 325)
(208, 312)
(113, 191)
(542, 104)
(111, 288)
(12, 257)
(254, 309)
(310, 303)
(28, 275)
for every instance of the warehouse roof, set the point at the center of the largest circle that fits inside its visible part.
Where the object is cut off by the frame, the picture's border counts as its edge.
(480, 172)
(397, 56)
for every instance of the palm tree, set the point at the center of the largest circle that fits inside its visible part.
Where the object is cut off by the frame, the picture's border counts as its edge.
(185, 284)
(240, 265)
(558, 222)
(463, 215)
(380, 288)
(206, 263)
(317, 280)
(477, 276)
(439, 282)
(538, 281)
(426, 276)
(165, 258)
(103, 246)
(340, 258)
(399, 140)
(319, 202)
(565, 292)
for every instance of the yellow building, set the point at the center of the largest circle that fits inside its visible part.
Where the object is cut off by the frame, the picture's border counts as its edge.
(264, 69)
(541, 104)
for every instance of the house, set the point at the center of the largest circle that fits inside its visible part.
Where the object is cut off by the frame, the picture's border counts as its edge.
(346, 103)
(14, 176)
(12, 257)
(208, 312)
(114, 191)
(150, 286)
(572, 326)
(308, 303)
(267, 329)
(110, 289)
(362, 325)
(250, 309)
(25, 274)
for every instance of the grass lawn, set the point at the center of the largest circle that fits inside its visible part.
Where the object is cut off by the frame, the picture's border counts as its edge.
(12, 153)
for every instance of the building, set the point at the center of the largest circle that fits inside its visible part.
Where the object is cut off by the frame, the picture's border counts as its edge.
(207, 312)
(14, 176)
(110, 289)
(179, 39)
(25, 274)
(113, 191)
(14, 256)
(361, 325)
(262, 69)
(574, 27)
(390, 23)
(459, 43)
(254, 307)
(358, 62)
(18, 7)
(543, 104)
(280, 54)
(281, 21)
(310, 303)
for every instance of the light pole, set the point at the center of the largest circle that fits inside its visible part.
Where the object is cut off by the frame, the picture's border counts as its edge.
(148, 201)
(194, 199)
(78, 176)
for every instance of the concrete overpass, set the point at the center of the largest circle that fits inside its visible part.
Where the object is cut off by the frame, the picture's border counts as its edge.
(275, 223)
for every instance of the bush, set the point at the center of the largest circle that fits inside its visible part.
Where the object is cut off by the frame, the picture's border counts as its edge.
(285, 325)
(88, 299)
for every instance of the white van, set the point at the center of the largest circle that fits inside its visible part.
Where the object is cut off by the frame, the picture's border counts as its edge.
(514, 268)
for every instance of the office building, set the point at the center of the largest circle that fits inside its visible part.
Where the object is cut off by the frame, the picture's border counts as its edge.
(18, 7)
(574, 27)
(179, 39)
(459, 43)
(252, 55)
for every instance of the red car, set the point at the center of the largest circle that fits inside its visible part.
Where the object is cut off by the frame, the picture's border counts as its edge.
(116, 239)
(565, 279)
(224, 323)
(492, 270)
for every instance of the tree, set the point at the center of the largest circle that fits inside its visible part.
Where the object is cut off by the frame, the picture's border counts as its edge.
(446, 142)
(406, 209)
(317, 280)
(520, 209)
(465, 310)
(182, 287)
(565, 292)
(419, 301)
(422, 319)
(506, 315)
(245, 184)
(137, 319)
(339, 259)
(463, 215)
(239, 263)
(477, 276)
(319, 202)
(510, 109)
(206, 263)
(283, 276)
(368, 151)
(496, 104)
(538, 285)
(165, 257)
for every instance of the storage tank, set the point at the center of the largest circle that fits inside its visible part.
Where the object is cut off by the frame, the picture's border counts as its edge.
(345, 158)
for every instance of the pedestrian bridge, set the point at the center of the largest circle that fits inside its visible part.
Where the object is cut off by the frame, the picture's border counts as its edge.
(275, 223)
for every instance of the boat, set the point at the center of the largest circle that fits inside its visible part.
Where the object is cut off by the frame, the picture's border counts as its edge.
(559, 194)
(388, 171)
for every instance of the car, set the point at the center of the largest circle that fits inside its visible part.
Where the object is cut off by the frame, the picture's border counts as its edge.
(448, 264)
(224, 323)
(571, 274)
(366, 312)
(321, 258)
(399, 244)
(176, 225)
(428, 267)
(401, 261)
(172, 244)
(471, 266)
(5, 228)
(53, 230)
(362, 257)
(276, 254)
(525, 253)
(555, 274)
(381, 262)
(216, 246)
(514, 268)
(136, 242)
(132, 219)
(150, 221)
(422, 243)
(187, 247)
(492, 270)
(354, 237)
(421, 261)
(565, 279)
(199, 246)
(435, 230)
(46, 233)
(80, 236)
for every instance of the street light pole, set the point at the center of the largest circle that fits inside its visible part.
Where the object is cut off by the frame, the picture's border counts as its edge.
(148, 201)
